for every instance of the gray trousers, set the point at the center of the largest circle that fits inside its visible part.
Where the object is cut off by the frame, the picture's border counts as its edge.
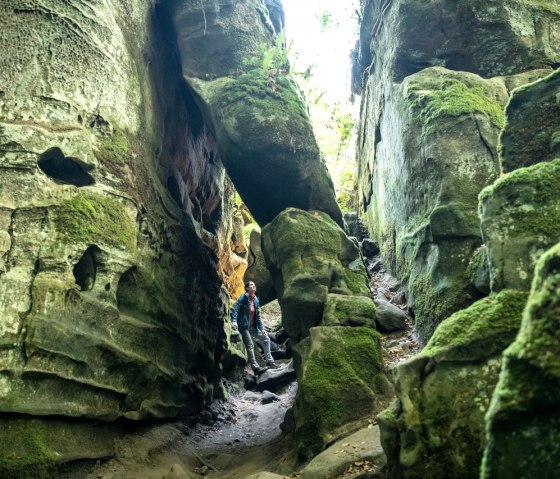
(250, 335)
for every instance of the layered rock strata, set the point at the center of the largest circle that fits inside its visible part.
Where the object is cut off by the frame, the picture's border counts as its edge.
(111, 193)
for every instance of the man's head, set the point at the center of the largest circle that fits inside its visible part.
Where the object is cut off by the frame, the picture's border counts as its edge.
(250, 287)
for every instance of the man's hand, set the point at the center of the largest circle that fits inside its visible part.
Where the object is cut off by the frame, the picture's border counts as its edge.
(234, 325)
(263, 332)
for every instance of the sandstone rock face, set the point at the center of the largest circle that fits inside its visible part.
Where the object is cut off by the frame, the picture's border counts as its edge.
(328, 313)
(504, 38)
(110, 199)
(523, 420)
(436, 426)
(429, 131)
(232, 58)
(532, 131)
(257, 270)
(434, 149)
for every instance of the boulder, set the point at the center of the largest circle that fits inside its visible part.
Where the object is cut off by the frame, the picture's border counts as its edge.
(532, 130)
(341, 383)
(311, 258)
(518, 214)
(523, 422)
(361, 447)
(238, 68)
(388, 317)
(435, 150)
(436, 425)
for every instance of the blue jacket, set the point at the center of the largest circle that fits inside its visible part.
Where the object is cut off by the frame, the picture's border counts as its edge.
(240, 313)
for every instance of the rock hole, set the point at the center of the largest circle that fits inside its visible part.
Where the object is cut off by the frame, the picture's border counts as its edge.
(108, 287)
(64, 169)
(80, 119)
(85, 269)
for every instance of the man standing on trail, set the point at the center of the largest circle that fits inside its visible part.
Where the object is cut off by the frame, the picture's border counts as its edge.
(246, 315)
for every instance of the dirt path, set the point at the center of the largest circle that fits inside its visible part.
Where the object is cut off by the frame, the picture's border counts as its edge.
(243, 438)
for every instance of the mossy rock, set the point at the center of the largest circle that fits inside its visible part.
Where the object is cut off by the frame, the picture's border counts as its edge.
(34, 447)
(519, 222)
(98, 219)
(436, 427)
(340, 384)
(531, 134)
(113, 148)
(344, 310)
(523, 422)
(309, 257)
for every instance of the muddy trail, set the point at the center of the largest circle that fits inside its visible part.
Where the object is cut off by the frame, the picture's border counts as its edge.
(243, 435)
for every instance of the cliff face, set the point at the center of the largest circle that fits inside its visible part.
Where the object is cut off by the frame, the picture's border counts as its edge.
(437, 77)
(111, 196)
(459, 181)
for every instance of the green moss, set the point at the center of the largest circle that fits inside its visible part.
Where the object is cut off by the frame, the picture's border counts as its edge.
(452, 98)
(481, 330)
(92, 218)
(257, 97)
(479, 260)
(524, 190)
(112, 148)
(337, 378)
(24, 450)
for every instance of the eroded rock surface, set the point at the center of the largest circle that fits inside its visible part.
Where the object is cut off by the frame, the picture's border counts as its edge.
(110, 207)
(235, 62)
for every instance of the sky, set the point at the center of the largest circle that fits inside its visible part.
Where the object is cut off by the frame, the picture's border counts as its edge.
(328, 50)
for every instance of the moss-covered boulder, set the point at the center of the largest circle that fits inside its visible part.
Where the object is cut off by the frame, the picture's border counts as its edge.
(237, 65)
(310, 257)
(341, 384)
(532, 130)
(519, 222)
(435, 428)
(523, 422)
(34, 448)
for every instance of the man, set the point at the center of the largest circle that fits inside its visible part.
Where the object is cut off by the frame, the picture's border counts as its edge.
(246, 315)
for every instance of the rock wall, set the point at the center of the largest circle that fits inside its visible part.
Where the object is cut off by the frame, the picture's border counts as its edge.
(114, 214)
(432, 109)
(441, 118)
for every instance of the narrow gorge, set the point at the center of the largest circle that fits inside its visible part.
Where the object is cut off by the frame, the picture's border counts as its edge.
(140, 138)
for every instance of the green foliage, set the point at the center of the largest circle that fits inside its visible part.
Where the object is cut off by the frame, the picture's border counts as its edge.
(92, 218)
(271, 57)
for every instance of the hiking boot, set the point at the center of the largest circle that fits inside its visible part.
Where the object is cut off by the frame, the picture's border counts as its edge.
(258, 370)
(272, 365)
